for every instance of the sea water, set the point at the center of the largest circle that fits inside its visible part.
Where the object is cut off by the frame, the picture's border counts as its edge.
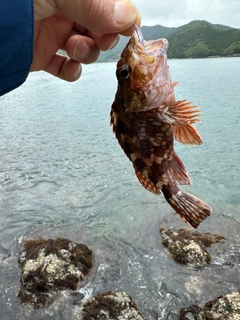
(63, 174)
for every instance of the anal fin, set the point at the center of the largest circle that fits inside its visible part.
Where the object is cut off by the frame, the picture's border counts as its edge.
(178, 171)
(187, 134)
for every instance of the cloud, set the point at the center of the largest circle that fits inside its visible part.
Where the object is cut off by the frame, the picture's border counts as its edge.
(173, 13)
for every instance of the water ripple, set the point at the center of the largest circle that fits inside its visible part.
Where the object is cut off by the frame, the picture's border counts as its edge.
(62, 174)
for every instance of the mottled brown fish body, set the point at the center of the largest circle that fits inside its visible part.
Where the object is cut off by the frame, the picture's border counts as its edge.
(146, 118)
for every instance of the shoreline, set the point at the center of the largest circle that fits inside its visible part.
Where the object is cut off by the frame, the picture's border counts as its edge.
(208, 57)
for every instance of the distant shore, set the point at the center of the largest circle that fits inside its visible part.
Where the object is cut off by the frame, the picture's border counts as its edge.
(209, 57)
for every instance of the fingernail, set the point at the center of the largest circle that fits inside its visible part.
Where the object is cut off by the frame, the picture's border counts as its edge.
(78, 71)
(114, 43)
(125, 12)
(81, 51)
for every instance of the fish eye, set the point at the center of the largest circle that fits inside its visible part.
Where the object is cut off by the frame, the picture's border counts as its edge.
(124, 72)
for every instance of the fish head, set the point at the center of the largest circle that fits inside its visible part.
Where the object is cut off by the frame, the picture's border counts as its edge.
(144, 81)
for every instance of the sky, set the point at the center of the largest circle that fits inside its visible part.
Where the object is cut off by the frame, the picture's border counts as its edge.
(175, 13)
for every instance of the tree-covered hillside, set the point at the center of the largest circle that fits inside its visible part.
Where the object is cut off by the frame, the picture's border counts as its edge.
(200, 39)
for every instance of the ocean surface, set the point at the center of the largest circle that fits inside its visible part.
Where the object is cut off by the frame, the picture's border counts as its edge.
(63, 174)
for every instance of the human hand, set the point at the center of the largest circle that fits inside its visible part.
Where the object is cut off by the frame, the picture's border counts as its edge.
(80, 27)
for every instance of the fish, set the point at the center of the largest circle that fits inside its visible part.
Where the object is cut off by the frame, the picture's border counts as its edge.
(146, 119)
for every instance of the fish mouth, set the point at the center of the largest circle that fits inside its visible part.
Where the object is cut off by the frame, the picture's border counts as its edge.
(150, 51)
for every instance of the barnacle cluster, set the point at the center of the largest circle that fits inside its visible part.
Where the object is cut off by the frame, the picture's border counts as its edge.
(222, 308)
(110, 305)
(189, 247)
(51, 265)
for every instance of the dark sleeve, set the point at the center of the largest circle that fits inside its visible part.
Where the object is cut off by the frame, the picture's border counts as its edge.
(16, 43)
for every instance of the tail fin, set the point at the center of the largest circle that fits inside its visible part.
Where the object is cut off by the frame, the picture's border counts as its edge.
(191, 209)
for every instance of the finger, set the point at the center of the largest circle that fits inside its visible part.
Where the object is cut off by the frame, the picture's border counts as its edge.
(108, 16)
(129, 31)
(82, 49)
(104, 41)
(64, 68)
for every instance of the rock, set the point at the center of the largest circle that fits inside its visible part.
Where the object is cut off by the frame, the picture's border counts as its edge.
(191, 313)
(227, 307)
(222, 308)
(189, 247)
(49, 266)
(109, 305)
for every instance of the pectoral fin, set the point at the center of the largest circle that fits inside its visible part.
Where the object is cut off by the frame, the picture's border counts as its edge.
(187, 134)
(181, 112)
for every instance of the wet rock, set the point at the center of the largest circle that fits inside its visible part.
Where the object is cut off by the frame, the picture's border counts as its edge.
(189, 247)
(227, 307)
(49, 266)
(222, 308)
(109, 305)
(191, 313)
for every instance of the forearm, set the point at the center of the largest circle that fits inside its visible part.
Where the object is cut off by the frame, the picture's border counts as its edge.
(16, 43)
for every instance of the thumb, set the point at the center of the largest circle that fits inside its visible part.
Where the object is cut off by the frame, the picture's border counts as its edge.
(102, 16)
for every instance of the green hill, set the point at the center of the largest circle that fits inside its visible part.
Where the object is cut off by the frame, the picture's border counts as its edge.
(200, 39)
(197, 39)
(154, 32)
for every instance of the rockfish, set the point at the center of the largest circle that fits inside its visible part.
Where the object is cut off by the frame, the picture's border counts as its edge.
(146, 118)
